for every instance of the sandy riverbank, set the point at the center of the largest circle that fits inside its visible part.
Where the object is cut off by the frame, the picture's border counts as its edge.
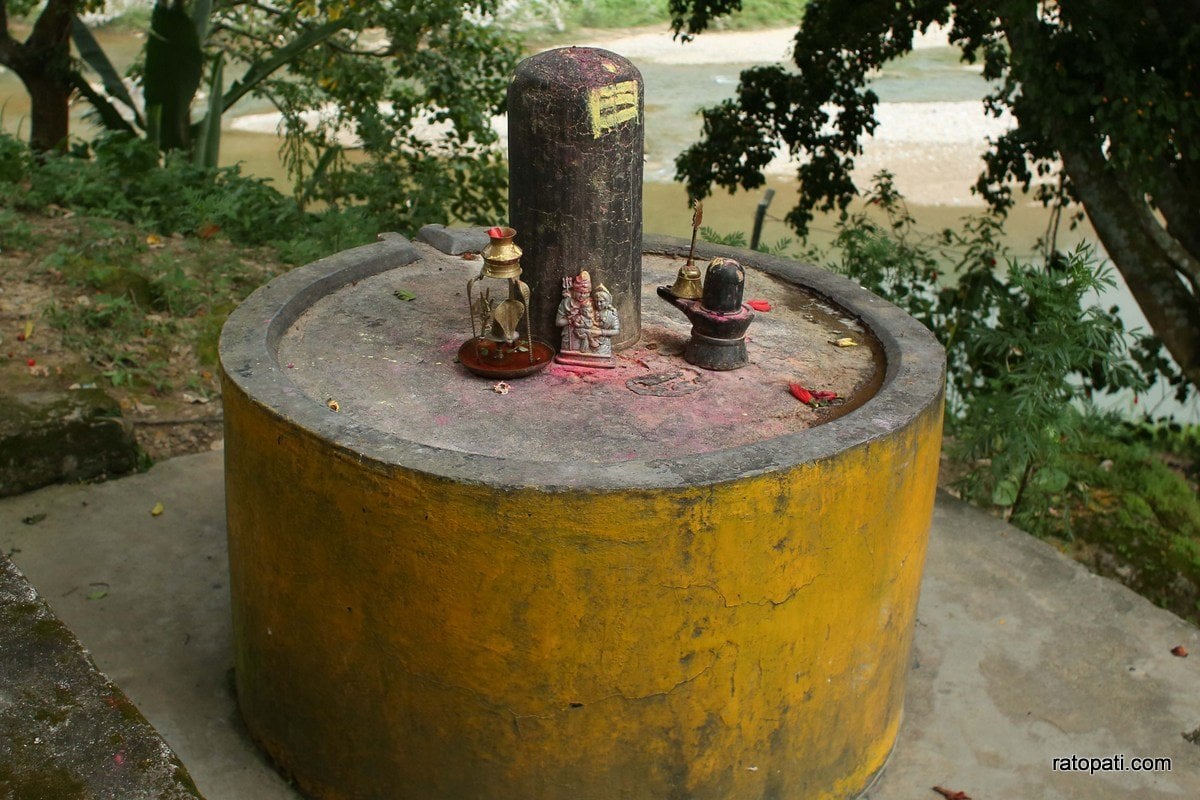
(933, 148)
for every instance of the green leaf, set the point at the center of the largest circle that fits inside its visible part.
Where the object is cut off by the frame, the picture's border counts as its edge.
(201, 11)
(1051, 480)
(208, 135)
(1005, 492)
(92, 53)
(261, 70)
(404, 294)
(174, 65)
(98, 594)
(107, 112)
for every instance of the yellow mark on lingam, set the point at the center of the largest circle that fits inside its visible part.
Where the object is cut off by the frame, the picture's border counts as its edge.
(611, 105)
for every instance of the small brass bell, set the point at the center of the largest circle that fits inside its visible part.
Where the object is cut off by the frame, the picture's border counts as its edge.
(687, 283)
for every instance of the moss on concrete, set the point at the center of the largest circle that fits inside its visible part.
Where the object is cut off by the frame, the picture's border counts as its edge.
(69, 436)
(66, 731)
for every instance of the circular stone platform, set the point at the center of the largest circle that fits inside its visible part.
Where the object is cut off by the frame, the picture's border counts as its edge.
(391, 364)
(647, 581)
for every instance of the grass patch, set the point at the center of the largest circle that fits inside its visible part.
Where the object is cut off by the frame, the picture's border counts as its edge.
(1133, 510)
(145, 309)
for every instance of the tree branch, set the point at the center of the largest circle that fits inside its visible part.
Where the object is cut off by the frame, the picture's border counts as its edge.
(12, 52)
(6, 41)
(1153, 276)
(52, 27)
(1179, 205)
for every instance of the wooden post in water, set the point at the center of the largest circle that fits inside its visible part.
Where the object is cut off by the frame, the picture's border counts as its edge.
(575, 141)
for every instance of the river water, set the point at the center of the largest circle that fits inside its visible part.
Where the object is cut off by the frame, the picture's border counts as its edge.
(932, 132)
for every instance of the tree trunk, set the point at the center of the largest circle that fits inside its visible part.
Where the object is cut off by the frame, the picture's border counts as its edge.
(1156, 280)
(43, 63)
(49, 100)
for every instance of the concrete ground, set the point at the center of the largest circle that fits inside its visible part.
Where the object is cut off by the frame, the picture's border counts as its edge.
(1021, 655)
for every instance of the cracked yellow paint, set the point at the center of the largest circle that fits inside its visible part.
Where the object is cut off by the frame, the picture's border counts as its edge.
(403, 635)
(612, 104)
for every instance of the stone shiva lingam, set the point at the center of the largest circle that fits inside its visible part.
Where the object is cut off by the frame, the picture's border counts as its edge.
(589, 322)
(719, 318)
(497, 348)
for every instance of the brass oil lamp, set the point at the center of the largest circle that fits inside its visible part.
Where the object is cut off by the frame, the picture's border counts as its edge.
(501, 343)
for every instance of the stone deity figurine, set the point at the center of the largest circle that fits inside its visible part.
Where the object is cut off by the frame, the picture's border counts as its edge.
(588, 321)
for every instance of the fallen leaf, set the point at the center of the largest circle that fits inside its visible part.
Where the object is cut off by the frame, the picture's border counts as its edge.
(33, 519)
(950, 794)
(845, 341)
(404, 294)
(470, 256)
(208, 231)
(759, 305)
(1179, 650)
(501, 388)
(28, 331)
(194, 399)
(333, 404)
(98, 594)
(157, 510)
(800, 393)
(154, 241)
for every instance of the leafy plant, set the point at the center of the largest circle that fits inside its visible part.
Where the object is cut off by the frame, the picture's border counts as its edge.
(15, 233)
(738, 239)
(1025, 346)
(1101, 94)
(1142, 514)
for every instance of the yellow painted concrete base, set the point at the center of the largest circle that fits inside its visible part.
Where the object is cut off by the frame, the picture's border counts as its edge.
(402, 635)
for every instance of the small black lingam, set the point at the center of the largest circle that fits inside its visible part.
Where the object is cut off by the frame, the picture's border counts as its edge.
(719, 318)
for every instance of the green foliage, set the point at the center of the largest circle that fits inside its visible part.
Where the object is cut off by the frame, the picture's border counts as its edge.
(16, 164)
(416, 87)
(1027, 348)
(615, 13)
(1129, 502)
(329, 232)
(1102, 93)
(1044, 350)
(561, 16)
(125, 178)
(15, 233)
(1024, 348)
(412, 88)
(122, 177)
(738, 239)
(134, 305)
(174, 64)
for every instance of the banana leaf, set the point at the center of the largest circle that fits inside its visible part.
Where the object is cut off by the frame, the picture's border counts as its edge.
(95, 57)
(208, 138)
(201, 11)
(174, 65)
(109, 116)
